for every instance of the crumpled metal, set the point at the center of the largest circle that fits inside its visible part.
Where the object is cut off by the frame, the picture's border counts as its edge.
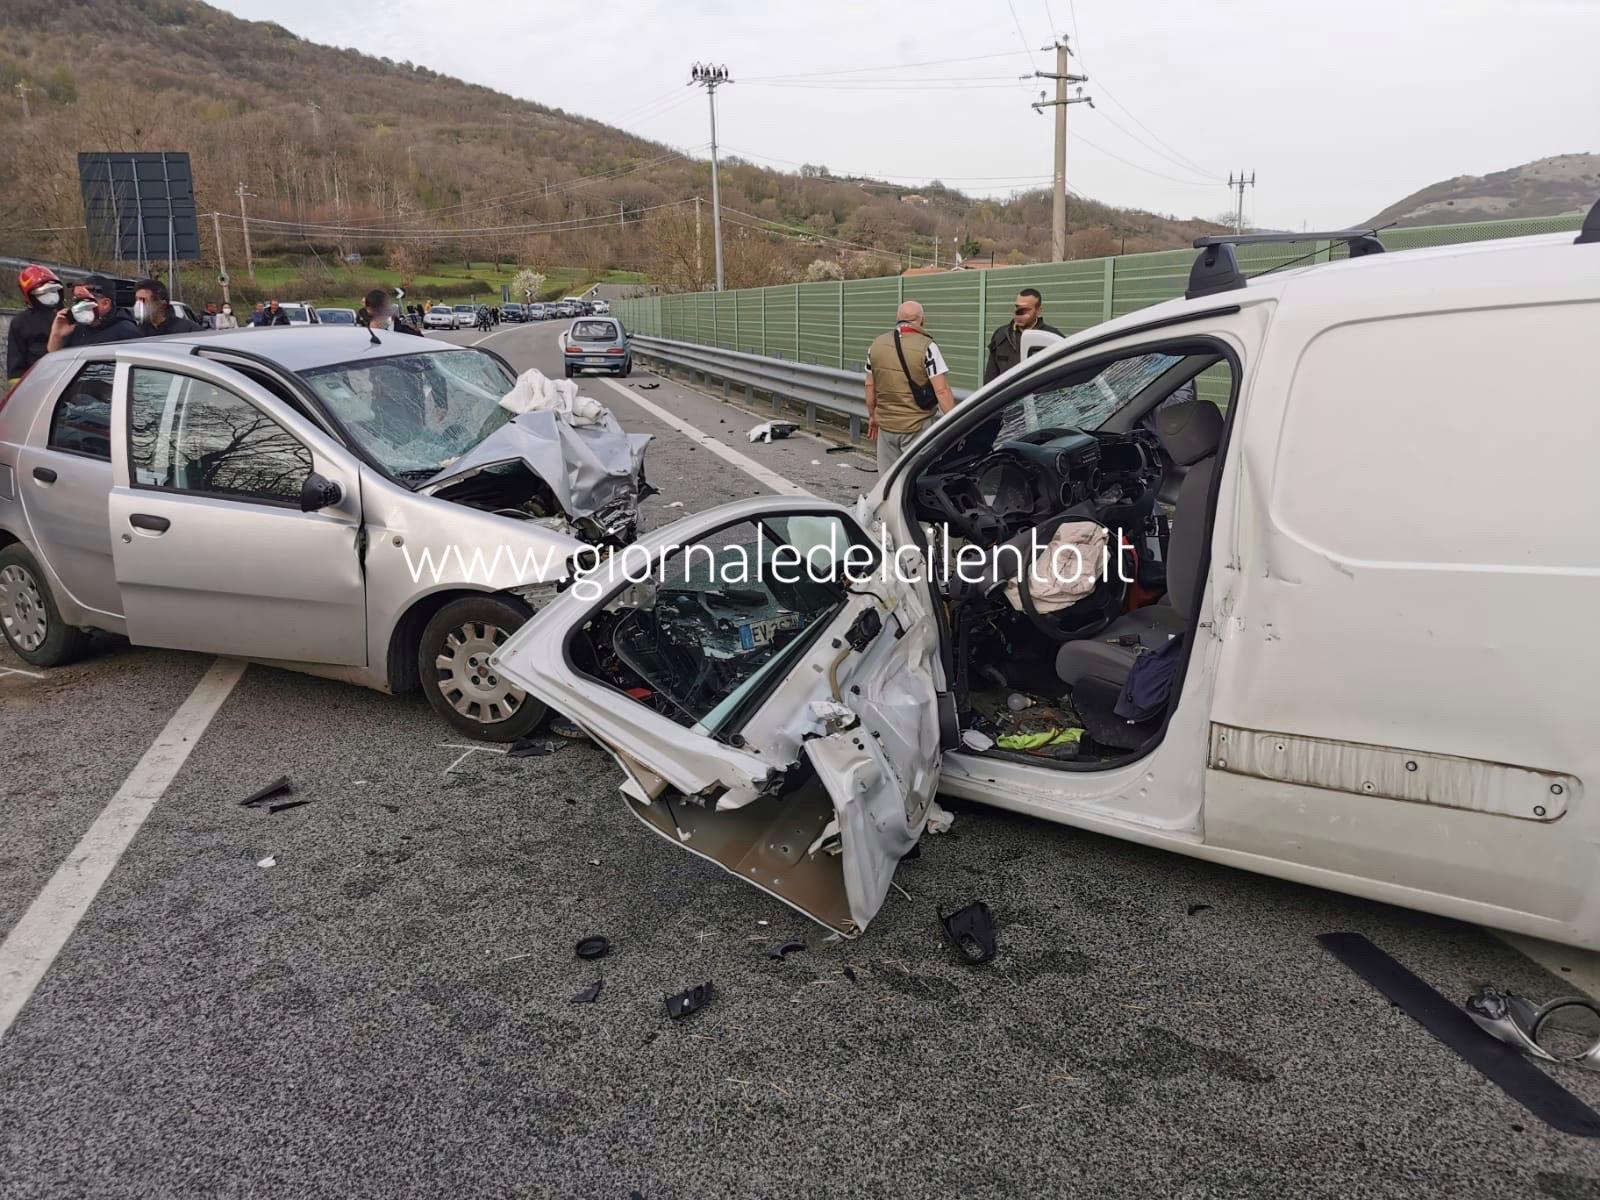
(1517, 1021)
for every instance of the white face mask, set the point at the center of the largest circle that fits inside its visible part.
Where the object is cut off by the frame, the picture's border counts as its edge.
(140, 310)
(226, 311)
(49, 296)
(84, 312)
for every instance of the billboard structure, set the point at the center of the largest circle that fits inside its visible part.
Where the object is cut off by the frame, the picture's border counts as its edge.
(139, 207)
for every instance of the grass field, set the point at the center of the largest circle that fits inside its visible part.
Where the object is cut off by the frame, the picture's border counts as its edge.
(457, 282)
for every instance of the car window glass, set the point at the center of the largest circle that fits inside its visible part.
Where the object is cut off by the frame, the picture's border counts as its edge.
(725, 616)
(1083, 403)
(81, 421)
(594, 331)
(188, 435)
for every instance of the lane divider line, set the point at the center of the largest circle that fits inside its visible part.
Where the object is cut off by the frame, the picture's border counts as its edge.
(35, 941)
(746, 464)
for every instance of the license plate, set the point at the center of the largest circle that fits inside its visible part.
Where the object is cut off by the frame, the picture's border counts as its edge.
(759, 633)
(595, 358)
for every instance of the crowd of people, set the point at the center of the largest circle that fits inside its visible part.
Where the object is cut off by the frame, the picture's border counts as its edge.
(56, 315)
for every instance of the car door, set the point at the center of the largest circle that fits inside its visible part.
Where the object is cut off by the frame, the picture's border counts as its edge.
(211, 548)
(773, 715)
(64, 477)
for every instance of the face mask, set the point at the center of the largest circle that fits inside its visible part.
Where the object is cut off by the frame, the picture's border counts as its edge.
(227, 312)
(140, 309)
(84, 312)
(49, 297)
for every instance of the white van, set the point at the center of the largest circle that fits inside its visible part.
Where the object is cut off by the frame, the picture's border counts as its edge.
(1352, 526)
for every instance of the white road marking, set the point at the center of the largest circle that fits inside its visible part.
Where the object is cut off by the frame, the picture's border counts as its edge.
(19, 671)
(746, 464)
(496, 333)
(1580, 968)
(469, 752)
(36, 940)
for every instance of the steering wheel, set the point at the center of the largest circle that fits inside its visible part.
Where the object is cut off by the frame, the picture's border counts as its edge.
(1088, 616)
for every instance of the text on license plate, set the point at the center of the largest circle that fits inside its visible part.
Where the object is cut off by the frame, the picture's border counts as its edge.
(759, 633)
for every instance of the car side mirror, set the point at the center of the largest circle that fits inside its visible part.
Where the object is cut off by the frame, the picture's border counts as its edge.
(318, 493)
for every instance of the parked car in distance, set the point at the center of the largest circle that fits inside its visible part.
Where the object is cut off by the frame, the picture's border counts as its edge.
(601, 307)
(466, 316)
(1361, 494)
(511, 311)
(440, 316)
(299, 312)
(187, 313)
(336, 316)
(316, 500)
(596, 343)
(537, 311)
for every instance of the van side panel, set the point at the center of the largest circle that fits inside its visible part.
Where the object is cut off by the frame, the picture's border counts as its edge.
(1419, 553)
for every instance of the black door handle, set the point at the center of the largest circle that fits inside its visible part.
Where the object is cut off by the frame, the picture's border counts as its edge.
(44, 474)
(146, 521)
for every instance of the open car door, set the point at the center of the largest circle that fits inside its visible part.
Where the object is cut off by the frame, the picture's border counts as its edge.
(769, 689)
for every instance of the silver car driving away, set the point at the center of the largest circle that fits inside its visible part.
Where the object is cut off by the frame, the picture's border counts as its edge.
(364, 506)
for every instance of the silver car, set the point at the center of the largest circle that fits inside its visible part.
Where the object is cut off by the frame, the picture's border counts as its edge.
(596, 344)
(355, 505)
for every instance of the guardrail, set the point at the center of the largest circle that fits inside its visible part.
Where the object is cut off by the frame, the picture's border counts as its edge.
(811, 388)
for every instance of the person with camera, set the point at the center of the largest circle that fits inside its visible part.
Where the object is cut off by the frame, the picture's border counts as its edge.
(907, 382)
(93, 317)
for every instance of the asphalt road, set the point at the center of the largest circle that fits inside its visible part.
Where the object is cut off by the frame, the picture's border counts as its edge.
(387, 1011)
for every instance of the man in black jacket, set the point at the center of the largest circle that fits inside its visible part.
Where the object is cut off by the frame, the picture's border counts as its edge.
(1005, 344)
(152, 308)
(93, 318)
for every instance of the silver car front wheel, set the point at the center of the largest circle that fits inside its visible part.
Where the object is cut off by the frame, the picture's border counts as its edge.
(469, 682)
(459, 680)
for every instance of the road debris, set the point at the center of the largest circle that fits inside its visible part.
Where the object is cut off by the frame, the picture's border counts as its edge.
(788, 948)
(1501, 1064)
(839, 450)
(532, 748)
(939, 818)
(276, 787)
(646, 386)
(1197, 908)
(676, 504)
(971, 932)
(1518, 1022)
(690, 1001)
(267, 862)
(592, 947)
(769, 431)
(589, 994)
(288, 804)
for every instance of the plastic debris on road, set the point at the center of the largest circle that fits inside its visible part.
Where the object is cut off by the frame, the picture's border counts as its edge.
(769, 431)
(267, 862)
(939, 818)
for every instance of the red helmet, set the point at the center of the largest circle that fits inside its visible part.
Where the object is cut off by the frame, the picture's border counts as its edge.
(34, 276)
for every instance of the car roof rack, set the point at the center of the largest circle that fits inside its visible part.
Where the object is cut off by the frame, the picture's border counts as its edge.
(1217, 267)
(1591, 226)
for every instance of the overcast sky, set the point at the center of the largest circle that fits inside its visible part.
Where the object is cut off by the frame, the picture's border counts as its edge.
(1338, 109)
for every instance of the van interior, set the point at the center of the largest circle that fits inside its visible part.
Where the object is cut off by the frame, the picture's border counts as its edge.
(1070, 528)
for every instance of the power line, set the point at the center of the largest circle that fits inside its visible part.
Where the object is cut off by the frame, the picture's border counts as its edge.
(1137, 167)
(1179, 163)
(1022, 37)
(770, 226)
(932, 62)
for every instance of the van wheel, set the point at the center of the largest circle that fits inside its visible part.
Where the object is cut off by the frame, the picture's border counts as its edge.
(461, 683)
(28, 614)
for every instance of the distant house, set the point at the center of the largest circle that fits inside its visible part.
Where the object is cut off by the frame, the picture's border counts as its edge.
(914, 198)
(353, 258)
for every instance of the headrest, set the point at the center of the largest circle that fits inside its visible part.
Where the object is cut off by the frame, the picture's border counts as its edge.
(1190, 431)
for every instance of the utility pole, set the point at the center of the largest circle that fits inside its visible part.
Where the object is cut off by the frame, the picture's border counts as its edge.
(22, 92)
(222, 266)
(1063, 76)
(244, 220)
(316, 118)
(1239, 185)
(711, 78)
(621, 218)
(699, 254)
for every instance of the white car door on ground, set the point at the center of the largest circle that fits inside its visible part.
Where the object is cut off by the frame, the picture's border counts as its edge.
(211, 548)
(769, 692)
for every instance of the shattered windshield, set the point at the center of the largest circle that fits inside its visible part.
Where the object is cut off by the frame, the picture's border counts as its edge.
(415, 414)
(1086, 403)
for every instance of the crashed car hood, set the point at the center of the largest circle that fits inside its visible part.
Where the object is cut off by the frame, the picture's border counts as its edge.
(586, 466)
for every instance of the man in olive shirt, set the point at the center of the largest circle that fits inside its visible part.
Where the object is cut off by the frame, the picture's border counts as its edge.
(903, 365)
(1005, 344)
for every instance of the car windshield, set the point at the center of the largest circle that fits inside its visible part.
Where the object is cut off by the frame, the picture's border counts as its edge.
(337, 316)
(594, 331)
(1084, 403)
(416, 413)
(297, 312)
(465, 308)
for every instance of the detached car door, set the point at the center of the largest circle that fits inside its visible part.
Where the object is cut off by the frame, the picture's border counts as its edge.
(211, 548)
(769, 690)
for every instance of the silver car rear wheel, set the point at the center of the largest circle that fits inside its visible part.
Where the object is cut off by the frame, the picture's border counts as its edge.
(23, 613)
